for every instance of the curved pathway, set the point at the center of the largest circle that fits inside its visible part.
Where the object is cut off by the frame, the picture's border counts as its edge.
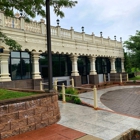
(125, 101)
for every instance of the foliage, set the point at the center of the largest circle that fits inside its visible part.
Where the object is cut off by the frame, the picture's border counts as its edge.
(33, 8)
(69, 98)
(135, 78)
(133, 45)
(10, 42)
(127, 62)
(8, 94)
(30, 8)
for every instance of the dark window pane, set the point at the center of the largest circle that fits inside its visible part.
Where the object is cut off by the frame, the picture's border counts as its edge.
(15, 69)
(25, 55)
(25, 68)
(15, 54)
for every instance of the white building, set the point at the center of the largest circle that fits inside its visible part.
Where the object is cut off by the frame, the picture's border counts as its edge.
(87, 58)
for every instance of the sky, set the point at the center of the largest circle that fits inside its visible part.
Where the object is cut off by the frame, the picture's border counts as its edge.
(112, 17)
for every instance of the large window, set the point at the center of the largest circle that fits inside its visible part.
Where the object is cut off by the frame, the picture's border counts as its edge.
(20, 65)
(61, 65)
(102, 65)
(118, 65)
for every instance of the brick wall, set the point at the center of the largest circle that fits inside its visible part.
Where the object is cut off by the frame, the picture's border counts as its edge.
(21, 115)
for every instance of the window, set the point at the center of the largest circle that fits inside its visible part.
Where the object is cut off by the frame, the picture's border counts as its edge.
(118, 65)
(61, 65)
(20, 65)
(102, 65)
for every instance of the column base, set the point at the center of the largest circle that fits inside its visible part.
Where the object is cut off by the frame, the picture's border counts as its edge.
(93, 79)
(74, 74)
(36, 76)
(77, 80)
(5, 79)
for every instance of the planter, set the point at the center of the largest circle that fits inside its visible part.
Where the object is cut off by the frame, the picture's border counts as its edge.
(20, 115)
(131, 134)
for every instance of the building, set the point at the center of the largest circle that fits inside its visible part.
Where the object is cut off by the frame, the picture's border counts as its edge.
(87, 58)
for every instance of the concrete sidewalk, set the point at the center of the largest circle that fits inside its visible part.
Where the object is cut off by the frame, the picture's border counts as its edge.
(84, 123)
(103, 124)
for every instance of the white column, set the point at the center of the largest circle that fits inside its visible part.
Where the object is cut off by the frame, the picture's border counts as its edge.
(113, 70)
(74, 59)
(122, 64)
(4, 66)
(35, 65)
(92, 65)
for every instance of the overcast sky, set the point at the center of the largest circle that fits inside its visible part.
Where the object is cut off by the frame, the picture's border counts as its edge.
(112, 17)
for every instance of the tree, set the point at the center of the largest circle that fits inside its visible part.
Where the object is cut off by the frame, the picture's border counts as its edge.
(133, 45)
(31, 9)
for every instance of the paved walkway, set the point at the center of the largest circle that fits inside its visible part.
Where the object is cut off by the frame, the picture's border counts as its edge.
(97, 123)
(124, 101)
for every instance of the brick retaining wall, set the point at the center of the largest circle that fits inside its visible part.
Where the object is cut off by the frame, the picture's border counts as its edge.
(20, 115)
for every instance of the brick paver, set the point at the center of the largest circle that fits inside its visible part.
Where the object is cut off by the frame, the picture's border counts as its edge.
(125, 101)
(53, 132)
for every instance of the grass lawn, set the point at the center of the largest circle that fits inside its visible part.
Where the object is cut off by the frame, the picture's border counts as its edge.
(9, 94)
(135, 78)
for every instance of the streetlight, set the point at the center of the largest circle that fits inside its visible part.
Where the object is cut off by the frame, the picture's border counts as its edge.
(82, 29)
(48, 31)
(57, 22)
(101, 34)
(115, 37)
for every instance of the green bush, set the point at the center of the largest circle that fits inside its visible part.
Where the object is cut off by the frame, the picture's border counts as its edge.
(71, 91)
(68, 98)
(77, 100)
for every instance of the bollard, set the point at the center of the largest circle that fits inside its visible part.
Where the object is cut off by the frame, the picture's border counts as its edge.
(55, 85)
(95, 97)
(104, 78)
(41, 86)
(121, 78)
(63, 93)
(127, 77)
(72, 83)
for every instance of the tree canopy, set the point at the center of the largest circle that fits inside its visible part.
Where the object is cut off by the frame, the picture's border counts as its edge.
(133, 45)
(33, 8)
(30, 9)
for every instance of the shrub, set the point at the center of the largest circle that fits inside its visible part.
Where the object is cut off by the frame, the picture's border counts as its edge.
(74, 99)
(77, 100)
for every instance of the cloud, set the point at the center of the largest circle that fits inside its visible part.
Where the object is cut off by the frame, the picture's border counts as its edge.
(112, 17)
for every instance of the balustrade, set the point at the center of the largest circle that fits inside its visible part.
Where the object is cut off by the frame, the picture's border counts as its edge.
(40, 27)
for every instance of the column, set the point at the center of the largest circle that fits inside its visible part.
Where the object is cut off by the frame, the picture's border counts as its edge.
(35, 65)
(93, 76)
(113, 70)
(4, 66)
(122, 65)
(92, 65)
(74, 59)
